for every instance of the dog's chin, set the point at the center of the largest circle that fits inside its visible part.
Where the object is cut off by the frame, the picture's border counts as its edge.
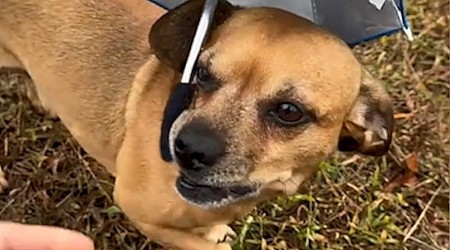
(210, 196)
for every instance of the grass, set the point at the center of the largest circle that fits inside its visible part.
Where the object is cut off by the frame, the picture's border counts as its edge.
(53, 181)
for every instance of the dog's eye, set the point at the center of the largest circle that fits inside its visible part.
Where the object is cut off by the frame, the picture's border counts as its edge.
(287, 113)
(205, 80)
(203, 74)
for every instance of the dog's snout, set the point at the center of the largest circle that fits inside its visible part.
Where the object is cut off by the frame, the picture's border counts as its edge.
(198, 146)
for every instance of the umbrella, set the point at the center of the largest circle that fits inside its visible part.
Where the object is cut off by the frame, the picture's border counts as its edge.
(354, 21)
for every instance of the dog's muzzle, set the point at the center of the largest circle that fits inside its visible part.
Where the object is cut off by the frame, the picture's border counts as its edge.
(198, 149)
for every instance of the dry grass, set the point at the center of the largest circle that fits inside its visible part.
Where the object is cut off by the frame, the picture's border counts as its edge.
(52, 181)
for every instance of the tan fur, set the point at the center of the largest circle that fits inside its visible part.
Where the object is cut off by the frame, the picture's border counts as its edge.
(92, 65)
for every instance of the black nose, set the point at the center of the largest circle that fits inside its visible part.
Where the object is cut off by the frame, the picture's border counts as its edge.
(198, 146)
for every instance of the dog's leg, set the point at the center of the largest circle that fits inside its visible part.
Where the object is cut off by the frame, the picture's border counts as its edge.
(36, 101)
(182, 240)
(9, 63)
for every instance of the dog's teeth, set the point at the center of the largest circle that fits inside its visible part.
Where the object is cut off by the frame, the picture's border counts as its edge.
(186, 185)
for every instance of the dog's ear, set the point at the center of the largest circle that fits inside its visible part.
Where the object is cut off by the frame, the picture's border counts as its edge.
(171, 36)
(368, 126)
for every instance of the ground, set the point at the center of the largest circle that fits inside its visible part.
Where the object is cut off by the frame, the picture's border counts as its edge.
(399, 201)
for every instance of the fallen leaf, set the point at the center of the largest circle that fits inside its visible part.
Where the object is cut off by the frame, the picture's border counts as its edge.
(395, 183)
(411, 181)
(412, 162)
(408, 178)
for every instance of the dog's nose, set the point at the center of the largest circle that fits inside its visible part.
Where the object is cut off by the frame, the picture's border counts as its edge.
(198, 146)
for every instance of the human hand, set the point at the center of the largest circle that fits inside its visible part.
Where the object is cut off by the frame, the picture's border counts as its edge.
(15, 236)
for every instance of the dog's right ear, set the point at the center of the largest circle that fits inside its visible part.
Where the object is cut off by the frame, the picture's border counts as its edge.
(171, 36)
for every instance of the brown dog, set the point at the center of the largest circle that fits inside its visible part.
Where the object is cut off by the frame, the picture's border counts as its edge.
(276, 95)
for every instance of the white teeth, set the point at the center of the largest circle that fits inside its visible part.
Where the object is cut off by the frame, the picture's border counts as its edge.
(186, 185)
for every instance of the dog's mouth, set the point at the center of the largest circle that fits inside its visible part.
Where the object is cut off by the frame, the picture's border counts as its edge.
(210, 196)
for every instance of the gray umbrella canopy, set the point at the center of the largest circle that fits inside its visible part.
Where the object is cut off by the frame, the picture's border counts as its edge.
(354, 21)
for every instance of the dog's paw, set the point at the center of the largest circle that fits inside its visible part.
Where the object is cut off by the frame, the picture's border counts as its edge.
(3, 181)
(220, 233)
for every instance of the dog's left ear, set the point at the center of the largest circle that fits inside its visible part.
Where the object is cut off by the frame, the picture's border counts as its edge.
(171, 36)
(368, 127)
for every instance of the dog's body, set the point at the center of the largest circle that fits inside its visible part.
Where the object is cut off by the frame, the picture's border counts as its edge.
(45, 39)
(281, 96)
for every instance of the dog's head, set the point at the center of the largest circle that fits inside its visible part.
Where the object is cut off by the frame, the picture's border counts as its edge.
(276, 95)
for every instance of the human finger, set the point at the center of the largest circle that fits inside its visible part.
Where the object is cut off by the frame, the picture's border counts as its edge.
(15, 236)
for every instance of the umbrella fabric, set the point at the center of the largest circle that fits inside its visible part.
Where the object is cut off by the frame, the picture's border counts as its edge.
(354, 21)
